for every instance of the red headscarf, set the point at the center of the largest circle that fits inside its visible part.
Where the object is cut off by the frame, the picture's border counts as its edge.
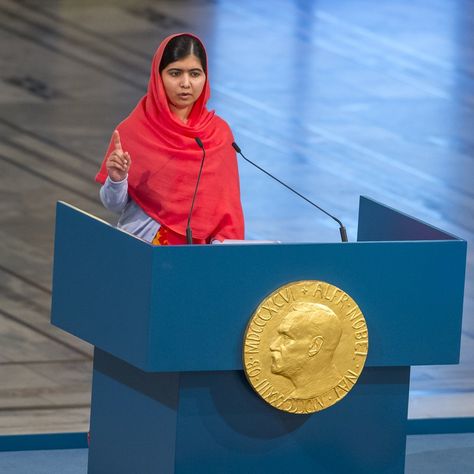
(166, 160)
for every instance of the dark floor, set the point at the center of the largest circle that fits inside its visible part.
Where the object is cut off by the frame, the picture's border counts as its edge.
(339, 98)
(428, 454)
(440, 454)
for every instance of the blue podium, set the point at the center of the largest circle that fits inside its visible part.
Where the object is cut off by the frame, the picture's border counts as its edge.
(169, 394)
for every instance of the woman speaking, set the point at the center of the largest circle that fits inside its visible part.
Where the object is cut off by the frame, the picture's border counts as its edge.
(151, 167)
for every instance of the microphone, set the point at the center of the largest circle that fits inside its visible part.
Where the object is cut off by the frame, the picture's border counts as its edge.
(189, 232)
(342, 229)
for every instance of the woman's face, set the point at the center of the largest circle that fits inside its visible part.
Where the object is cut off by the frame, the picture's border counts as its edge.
(184, 81)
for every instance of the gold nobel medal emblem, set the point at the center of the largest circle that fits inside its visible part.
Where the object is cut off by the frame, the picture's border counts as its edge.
(305, 346)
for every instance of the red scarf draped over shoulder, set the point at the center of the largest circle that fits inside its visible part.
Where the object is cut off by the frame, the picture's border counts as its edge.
(166, 161)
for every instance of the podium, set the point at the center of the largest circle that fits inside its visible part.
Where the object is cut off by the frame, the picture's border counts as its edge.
(169, 394)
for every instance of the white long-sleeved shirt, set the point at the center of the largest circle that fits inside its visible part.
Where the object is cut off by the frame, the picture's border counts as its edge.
(114, 196)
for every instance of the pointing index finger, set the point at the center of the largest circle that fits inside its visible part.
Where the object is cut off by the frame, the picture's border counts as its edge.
(117, 144)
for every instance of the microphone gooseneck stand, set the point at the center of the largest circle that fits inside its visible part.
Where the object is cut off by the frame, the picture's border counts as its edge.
(342, 229)
(189, 232)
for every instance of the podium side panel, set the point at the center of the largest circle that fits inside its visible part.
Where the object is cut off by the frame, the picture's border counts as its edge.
(101, 285)
(378, 222)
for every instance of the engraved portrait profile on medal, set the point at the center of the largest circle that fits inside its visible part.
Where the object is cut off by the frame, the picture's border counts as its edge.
(305, 346)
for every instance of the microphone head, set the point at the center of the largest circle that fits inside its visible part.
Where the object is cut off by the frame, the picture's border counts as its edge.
(236, 147)
(199, 142)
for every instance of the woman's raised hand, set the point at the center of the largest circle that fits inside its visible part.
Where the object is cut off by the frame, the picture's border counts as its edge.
(118, 163)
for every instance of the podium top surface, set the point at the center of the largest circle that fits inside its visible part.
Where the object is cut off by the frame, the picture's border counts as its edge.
(185, 308)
